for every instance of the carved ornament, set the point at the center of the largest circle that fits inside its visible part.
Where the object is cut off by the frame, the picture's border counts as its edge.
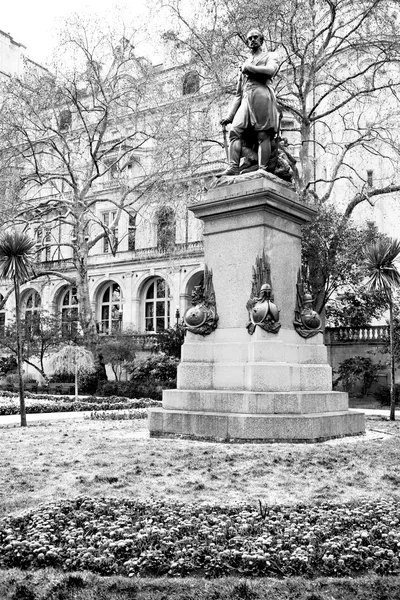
(260, 306)
(307, 321)
(202, 318)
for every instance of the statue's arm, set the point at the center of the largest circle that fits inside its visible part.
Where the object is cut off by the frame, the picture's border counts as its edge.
(235, 102)
(269, 69)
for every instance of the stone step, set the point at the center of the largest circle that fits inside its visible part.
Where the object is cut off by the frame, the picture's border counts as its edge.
(228, 401)
(255, 428)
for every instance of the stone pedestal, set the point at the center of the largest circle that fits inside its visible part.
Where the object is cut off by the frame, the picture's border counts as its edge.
(265, 387)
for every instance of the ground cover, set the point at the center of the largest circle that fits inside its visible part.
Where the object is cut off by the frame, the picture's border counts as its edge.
(154, 537)
(9, 403)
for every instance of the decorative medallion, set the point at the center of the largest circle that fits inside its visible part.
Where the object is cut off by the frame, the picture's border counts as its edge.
(201, 318)
(261, 308)
(307, 321)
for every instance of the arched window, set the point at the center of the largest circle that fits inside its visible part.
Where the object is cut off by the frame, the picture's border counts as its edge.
(31, 311)
(111, 309)
(157, 306)
(69, 313)
(191, 83)
(166, 229)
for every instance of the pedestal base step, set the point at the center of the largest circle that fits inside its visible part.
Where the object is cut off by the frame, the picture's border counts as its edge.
(254, 428)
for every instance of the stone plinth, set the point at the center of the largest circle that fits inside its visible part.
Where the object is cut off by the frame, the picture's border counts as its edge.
(233, 386)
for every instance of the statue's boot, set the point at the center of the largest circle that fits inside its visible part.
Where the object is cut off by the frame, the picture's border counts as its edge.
(250, 160)
(264, 153)
(235, 151)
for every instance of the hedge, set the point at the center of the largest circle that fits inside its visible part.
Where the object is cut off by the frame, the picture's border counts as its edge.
(9, 404)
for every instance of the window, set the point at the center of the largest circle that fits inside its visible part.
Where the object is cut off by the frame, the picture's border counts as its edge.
(132, 231)
(65, 119)
(191, 83)
(31, 312)
(157, 306)
(166, 229)
(69, 313)
(108, 218)
(47, 241)
(111, 309)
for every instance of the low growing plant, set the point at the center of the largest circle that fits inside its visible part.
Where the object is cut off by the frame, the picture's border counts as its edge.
(358, 369)
(155, 538)
(382, 394)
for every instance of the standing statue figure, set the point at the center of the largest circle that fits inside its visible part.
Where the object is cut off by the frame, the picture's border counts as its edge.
(253, 112)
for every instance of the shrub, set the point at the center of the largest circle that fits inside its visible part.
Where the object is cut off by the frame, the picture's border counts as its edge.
(153, 374)
(358, 369)
(170, 341)
(8, 364)
(382, 394)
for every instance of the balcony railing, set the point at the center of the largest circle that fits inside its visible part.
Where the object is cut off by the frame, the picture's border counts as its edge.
(373, 334)
(176, 250)
(54, 265)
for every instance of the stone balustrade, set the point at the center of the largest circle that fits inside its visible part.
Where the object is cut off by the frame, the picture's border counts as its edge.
(372, 334)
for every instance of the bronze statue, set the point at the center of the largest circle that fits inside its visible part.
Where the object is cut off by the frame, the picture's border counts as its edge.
(253, 112)
(260, 306)
(307, 321)
(202, 318)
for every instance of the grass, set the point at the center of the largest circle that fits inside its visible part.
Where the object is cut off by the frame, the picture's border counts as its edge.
(58, 460)
(53, 585)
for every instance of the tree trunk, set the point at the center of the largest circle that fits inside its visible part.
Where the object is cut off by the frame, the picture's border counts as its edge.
(19, 354)
(76, 379)
(392, 363)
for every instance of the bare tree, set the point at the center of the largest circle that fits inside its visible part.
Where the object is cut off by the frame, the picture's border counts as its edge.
(76, 139)
(337, 83)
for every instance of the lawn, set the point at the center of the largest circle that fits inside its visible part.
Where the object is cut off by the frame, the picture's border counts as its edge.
(115, 458)
(97, 459)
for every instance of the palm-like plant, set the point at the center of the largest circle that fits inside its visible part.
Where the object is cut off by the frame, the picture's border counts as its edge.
(15, 264)
(380, 260)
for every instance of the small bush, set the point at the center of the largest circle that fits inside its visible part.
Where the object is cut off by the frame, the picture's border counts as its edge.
(126, 415)
(358, 369)
(382, 394)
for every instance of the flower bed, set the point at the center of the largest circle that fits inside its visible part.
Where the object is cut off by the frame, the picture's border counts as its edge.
(9, 403)
(128, 537)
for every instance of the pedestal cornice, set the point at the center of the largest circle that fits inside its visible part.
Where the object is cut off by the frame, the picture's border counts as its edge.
(245, 193)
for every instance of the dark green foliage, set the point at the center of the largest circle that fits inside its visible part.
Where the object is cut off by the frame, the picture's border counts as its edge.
(153, 538)
(23, 592)
(358, 369)
(355, 308)
(87, 382)
(36, 404)
(40, 335)
(170, 341)
(154, 373)
(334, 255)
(8, 364)
(117, 350)
(382, 394)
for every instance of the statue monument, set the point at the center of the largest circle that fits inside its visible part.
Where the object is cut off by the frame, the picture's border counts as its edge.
(254, 365)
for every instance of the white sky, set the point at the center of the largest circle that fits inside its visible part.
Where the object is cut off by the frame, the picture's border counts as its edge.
(33, 23)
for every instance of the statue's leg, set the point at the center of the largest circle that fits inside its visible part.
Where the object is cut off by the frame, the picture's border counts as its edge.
(235, 152)
(264, 149)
